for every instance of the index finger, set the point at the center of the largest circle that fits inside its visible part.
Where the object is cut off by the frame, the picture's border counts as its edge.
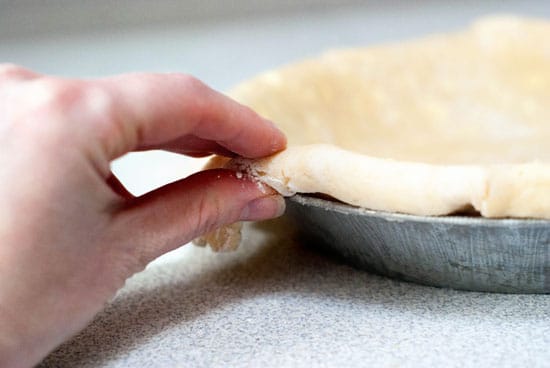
(149, 110)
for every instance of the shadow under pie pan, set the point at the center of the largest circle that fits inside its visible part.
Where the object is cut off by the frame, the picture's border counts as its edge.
(459, 252)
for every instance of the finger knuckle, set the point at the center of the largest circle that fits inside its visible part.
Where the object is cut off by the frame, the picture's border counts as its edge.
(197, 99)
(57, 94)
(208, 215)
(191, 84)
(49, 110)
(9, 70)
(59, 102)
(70, 97)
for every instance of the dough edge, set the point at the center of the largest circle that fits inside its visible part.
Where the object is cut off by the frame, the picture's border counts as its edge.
(495, 191)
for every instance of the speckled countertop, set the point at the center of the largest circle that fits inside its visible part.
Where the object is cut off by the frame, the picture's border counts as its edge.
(276, 303)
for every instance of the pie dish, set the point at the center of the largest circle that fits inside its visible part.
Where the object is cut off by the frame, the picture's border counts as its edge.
(461, 252)
(449, 130)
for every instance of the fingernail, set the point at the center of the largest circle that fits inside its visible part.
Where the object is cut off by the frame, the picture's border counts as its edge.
(270, 123)
(275, 128)
(266, 189)
(263, 208)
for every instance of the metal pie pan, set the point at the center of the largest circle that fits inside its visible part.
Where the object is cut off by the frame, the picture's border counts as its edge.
(459, 252)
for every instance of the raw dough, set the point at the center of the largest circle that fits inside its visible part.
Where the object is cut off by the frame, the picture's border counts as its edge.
(481, 96)
(425, 127)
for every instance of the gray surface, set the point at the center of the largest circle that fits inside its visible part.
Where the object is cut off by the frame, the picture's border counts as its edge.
(20, 18)
(276, 304)
(224, 52)
(461, 252)
(272, 303)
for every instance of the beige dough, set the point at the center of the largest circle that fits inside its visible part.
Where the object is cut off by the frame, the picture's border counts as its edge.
(428, 127)
(481, 96)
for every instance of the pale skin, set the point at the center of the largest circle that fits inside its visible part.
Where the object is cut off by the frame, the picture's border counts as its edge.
(70, 234)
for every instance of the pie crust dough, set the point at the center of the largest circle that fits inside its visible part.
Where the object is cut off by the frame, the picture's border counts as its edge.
(427, 127)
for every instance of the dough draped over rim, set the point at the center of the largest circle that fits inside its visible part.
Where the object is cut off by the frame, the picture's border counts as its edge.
(520, 190)
(427, 127)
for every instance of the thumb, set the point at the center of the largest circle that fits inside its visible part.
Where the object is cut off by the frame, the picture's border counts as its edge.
(173, 215)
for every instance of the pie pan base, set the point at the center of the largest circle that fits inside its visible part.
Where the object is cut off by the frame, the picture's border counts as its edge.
(459, 252)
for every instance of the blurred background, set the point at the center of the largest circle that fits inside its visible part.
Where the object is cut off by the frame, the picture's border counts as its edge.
(221, 42)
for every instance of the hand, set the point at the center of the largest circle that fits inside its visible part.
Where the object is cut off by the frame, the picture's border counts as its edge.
(70, 234)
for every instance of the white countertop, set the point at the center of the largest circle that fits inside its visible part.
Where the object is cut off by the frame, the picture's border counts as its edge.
(276, 303)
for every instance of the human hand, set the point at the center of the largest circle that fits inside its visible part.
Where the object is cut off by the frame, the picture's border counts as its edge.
(70, 234)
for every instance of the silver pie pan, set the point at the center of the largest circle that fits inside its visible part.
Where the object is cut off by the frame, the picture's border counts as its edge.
(459, 252)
